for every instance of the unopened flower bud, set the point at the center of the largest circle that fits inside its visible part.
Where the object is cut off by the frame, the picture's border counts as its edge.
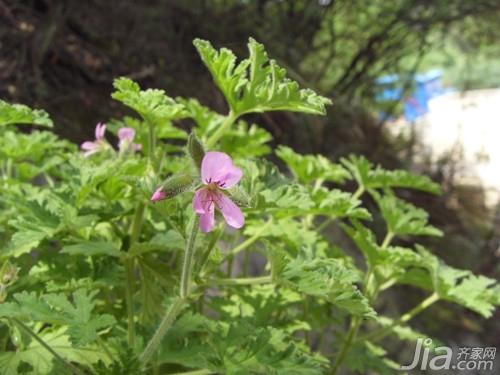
(174, 185)
(195, 149)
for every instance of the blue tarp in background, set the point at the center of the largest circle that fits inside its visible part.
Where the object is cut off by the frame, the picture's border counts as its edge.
(427, 86)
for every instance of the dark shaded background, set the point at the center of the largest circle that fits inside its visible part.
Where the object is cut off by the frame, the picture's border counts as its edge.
(63, 56)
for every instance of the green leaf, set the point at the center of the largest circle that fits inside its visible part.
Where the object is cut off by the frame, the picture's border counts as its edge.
(152, 104)
(310, 168)
(237, 348)
(163, 242)
(366, 358)
(92, 248)
(25, 241)
(42, 361)
(336, 204)
(369, 177)
(83, 327)
(28, 306)
(331, 279)
(477, 293)
(57, 309)
(404, 332)
(365, 240)
(288, 230)
(245, 141)
(21, 114)
(403, 218)
(257, 84)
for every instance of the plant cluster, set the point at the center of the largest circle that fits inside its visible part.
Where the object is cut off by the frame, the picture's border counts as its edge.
(104, 269)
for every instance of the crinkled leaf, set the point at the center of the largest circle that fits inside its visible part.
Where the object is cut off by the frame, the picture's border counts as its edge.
(403, 218)
(42, 361)
(92, 248)
(257, 84)
(22, 114)
(331, 279)
(310, 168)
(478, 293)
(370, 177)
(83, 325)
(365, 358)
(152, 104)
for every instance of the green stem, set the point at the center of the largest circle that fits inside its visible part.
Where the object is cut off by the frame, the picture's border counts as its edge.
(135, 229)
(387, 240)
(359, 192)
(213, 241)
(317, 184)
(178, 302)
(187, 266)
(249, 241)
(351, 334)
(129, 295)
(324, 224)
(387, 284)
(355, 321)
(104, 347)
(196, 372)
(229, 120)
(152, 143)
(37, 338)
(129, 264)
(381, 333)
(243, 281)
(162, 329)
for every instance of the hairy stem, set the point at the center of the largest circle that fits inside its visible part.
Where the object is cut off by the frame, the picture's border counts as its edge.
(243, 281)
(129, 264)
(37, 338)
(129, 296)
(359, 192)
(104, 347)
(151, 143)
(197, 372)
(187, 265)
(162, 329)
(351, 334)
(136, 226)
(178, 303)
(223, 128)
(380, 334)
(387, 240)
(249, 241)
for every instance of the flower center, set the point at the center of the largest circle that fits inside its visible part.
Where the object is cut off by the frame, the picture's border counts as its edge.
(213, 186)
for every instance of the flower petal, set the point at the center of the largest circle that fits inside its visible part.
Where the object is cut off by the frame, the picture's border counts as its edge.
(126, 134)
(203, 201)
(88, 146)
(231, 212)
(231, 178)
(158, 195)
(207, 221)
(198, 201)
(100, 129)
(218, 167)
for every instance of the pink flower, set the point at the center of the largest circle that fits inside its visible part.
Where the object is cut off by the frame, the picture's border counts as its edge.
(217, 174)
(99, 143)
(158, 195)
(126, 136)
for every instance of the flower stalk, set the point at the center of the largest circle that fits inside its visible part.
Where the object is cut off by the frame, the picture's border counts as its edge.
(172, 312)
(187, 265)
(178, 303)
(229, 120)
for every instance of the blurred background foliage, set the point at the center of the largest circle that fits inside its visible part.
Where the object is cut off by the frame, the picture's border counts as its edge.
(63, 55)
